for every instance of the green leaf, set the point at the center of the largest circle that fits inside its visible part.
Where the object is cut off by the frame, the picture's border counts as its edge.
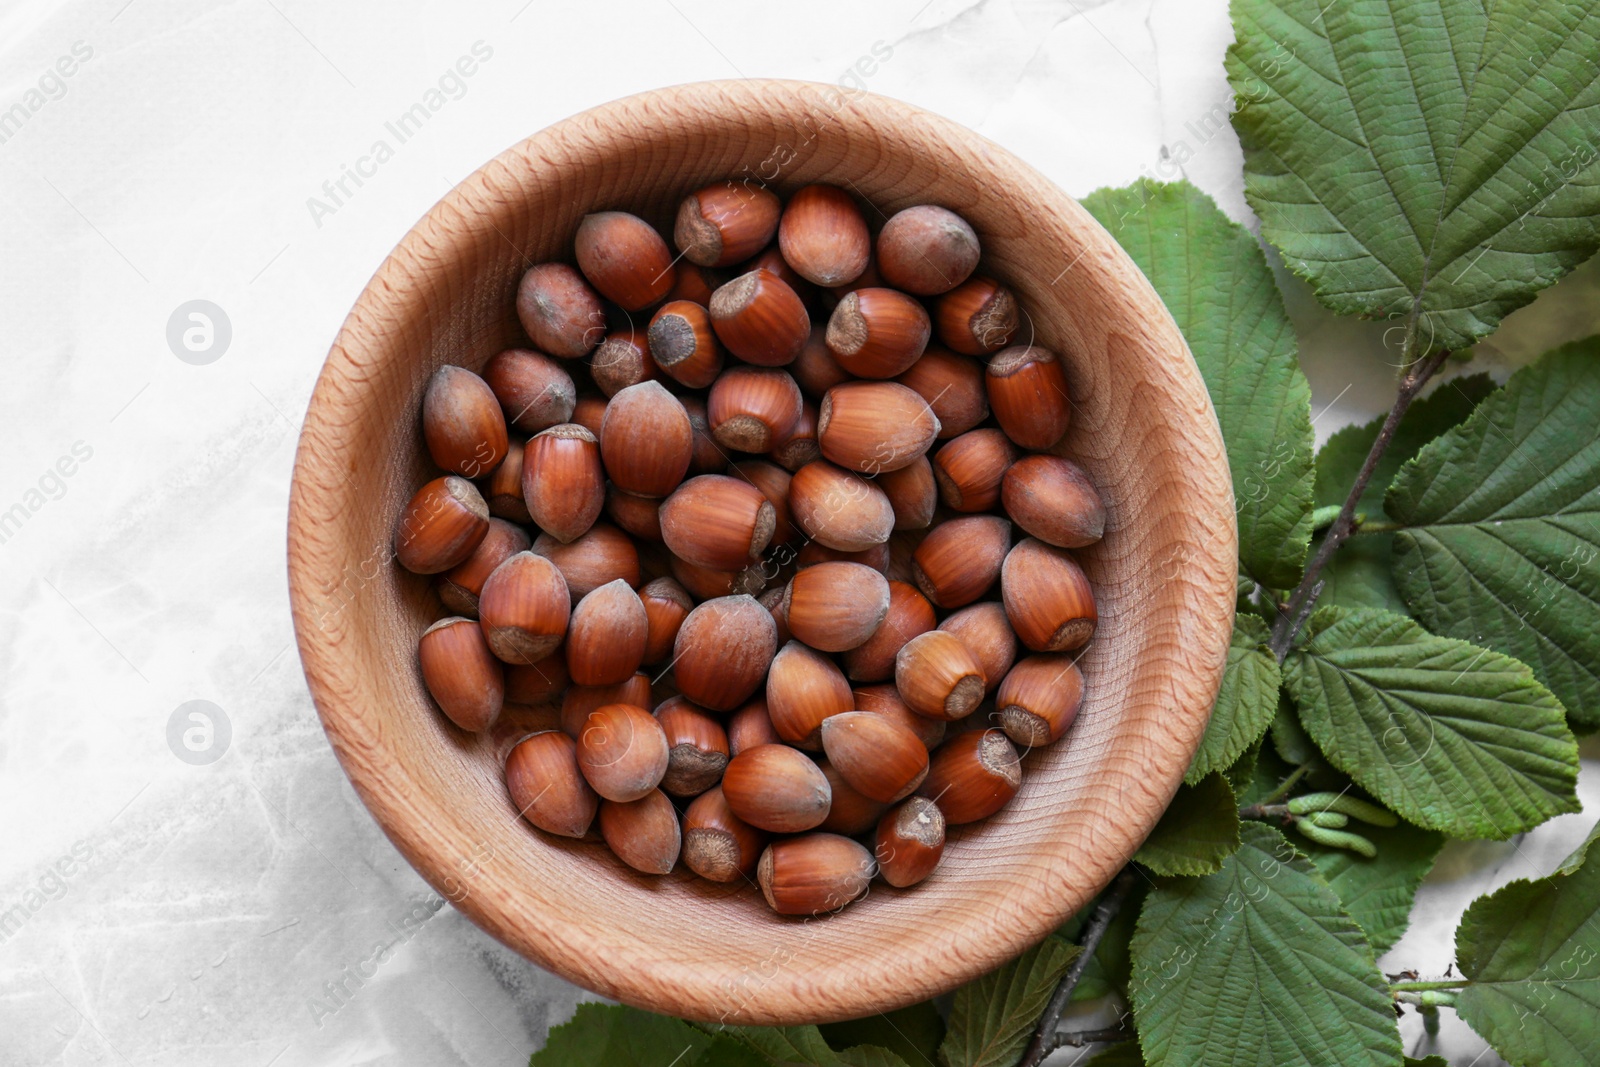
(1245, 703)
(1199, 830)
(1431, 1061)
(994, 1017)
(1359, 575)
(613, 1035)
(805, 1044)
(1378, 893)
(1214, 279)
(1258, 964)
(1421, 157)
(912, 1033)
(1504, 549)
(1450, 736)
(1532, 951)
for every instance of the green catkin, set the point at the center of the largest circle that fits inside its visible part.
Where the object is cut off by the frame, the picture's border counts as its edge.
(1329, 820)
(1337, 838)
(1344, 804)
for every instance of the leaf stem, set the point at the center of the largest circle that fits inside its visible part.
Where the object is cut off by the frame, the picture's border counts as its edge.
(1288, 784)
(1106, 910)
(1304, 597)
(1423, 987)
(1266, 811)
(1080, 1038)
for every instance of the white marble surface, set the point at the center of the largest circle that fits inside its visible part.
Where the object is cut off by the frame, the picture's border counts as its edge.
(181, 914)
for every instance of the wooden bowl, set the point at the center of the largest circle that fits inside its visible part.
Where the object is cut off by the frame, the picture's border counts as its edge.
(1143, 427)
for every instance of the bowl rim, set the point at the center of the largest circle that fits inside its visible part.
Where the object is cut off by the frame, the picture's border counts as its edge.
(978, 943)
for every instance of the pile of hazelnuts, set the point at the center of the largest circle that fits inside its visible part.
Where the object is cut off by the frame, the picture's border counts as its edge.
(769, 547)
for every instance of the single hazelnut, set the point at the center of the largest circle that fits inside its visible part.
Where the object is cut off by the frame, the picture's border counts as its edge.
(684, 345)
(1054, 500)
(441, 526)
(697, 748)
(823, 236)
(624, 258)
(909, 842)
(749, 409)
(969, 469)
(760, 319)
(814, 874)
(839, 508)
(643, 833)
(977, 317)
(545, 785)
(1039, 699)
(873, 427)
(954, 387)
(723, 650)
(961, 559)
(938, 676)
(913, 494)
(533, 390)
(835, 606)
(877, 333)
(601, 555)
(1028, 395)
(972, 776)
(462, 424)
(646, 440)
(927, 250)
(776, 788)
(804, 687)
(462, 675)
(524, 607)
(717, 521)
(606, 636)
(878, 757)
(559, 311)
(1047, 597)
(622, 751)
(726, 222)
(563, 482)
(717, 844)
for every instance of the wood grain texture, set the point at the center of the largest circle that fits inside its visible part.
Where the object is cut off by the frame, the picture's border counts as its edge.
(1143, 427)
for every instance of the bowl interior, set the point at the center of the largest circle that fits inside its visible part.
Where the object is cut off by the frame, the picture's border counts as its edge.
(1164, 574)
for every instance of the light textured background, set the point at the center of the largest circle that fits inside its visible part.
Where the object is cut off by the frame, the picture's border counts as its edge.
(219, 904)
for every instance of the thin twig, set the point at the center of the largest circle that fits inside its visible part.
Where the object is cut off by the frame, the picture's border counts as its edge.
(1305, 595)
(1104, 912)
(1080, 1038)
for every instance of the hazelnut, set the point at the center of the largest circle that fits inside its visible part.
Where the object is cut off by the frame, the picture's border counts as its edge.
(815, 368)
(877, 333)
(835, 606)
(646, 440)
(1028, 395)
(813, 874)
(773, 481)
(717, 844)
(524, 607)
(622, 751)
(749, 409)
(797, 447)
(459, 586)
(1039, 699)
(874, 427)
(709, 583)
(606, 636)
(533, 390)
(601, 555)
(722, 651)
(1054, 500)
(909, 842)
(913, 494)
(708, 456)
(580, 700)
(878, 557)
(850, 812)
(683, 344)
(977, 317)
(885, 700)
(972, 776)
(838, 508)
(462, 424)
(697, 748)
(776, 788)
(717, 521)
(502, 489)
(908, 615)
(639, 516)
(823, 236)
(773, 601)
(696, 283)
(954, 388)
(969, 469)
(643, 833)
(927, 250)
(441, 526)
(938, 676)
(588, 412)
(961, 559)
(1047, 597)
(624, 258)
(760, 319)
(535, 683)
(804, 688)
(561, 314)
(462, 675)
(623, 359)
(986, 632)
(751, 726)
(725, 222)
(879, 757)
(666, 605)
(563, 483)
(546, 787)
